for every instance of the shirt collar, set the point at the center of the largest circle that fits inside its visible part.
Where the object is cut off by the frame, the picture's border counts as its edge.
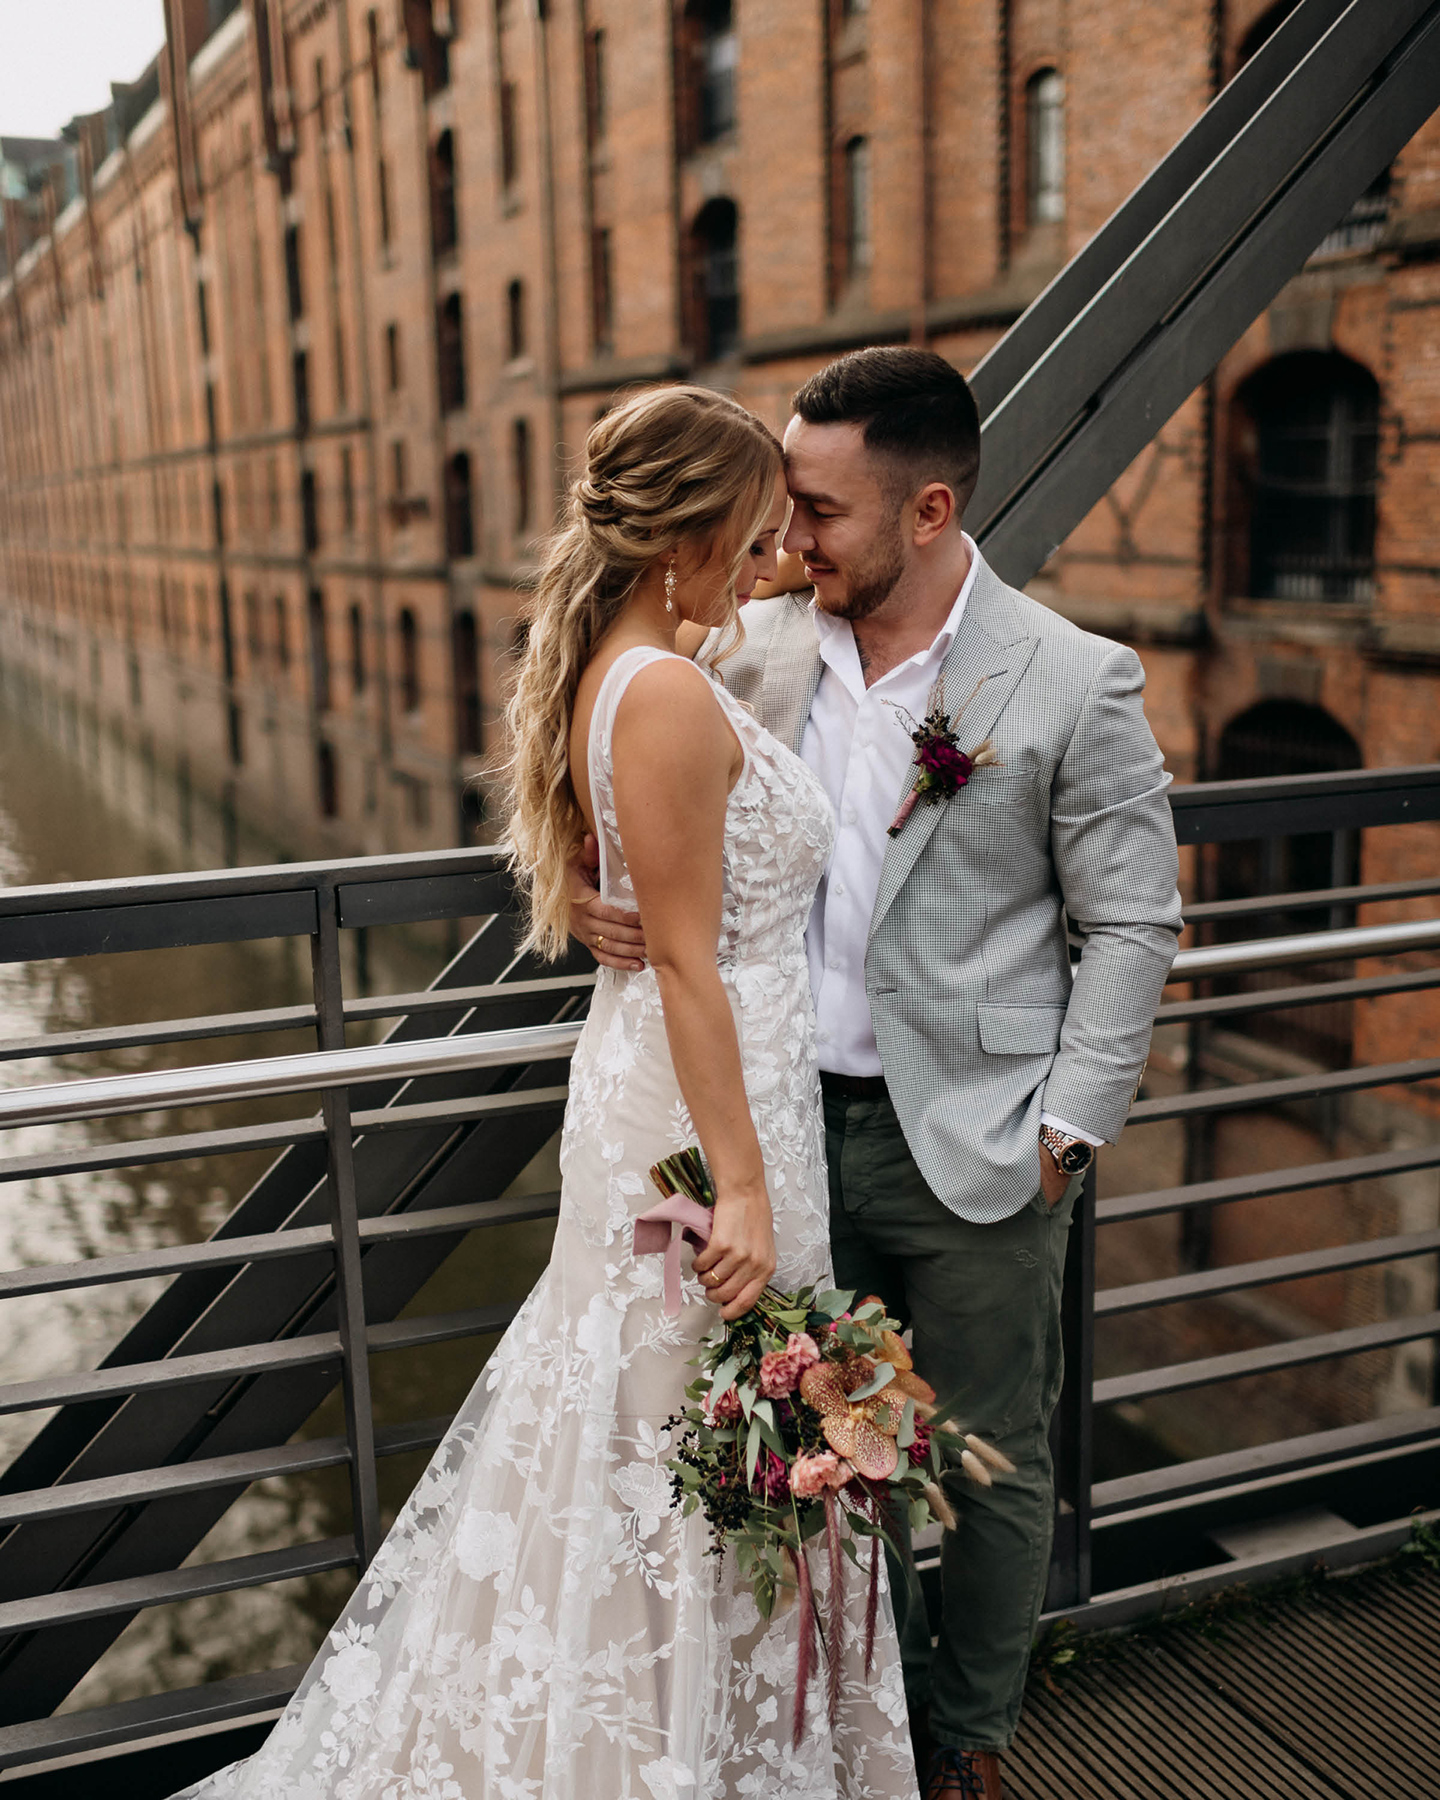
(837, 639)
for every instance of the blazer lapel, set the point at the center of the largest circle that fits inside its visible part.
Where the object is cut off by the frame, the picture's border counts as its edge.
(983, 666)
(792, 674)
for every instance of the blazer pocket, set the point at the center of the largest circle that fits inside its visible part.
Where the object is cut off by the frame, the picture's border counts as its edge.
(1019, 1030)
(993, 787)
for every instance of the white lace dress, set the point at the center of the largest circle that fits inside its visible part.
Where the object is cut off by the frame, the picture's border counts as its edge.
(540, 1622)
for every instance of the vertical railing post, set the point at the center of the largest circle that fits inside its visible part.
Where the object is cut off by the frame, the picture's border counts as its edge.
(345, 1232)
(1071, 1437)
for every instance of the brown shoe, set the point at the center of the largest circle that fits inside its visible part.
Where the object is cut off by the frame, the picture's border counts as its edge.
(963, 1775)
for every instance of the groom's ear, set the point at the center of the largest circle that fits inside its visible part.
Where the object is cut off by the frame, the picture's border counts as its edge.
(934, 511)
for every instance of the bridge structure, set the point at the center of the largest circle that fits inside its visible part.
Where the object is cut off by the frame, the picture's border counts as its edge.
(418, 1140)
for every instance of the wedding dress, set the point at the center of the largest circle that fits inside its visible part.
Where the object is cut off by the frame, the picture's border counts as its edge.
(540, 1624)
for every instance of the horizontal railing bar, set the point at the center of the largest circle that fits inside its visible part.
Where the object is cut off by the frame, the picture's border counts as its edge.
(1205, 1283)
(1281, 1456)
(1315, 993)
(126, 1723)
(133, 1152)
(1308, 946)
(106, 1096)
(243, 1360)
(1285, 1088)
(1312, 900)
(1215, 812)
(136, 1152)
(1267, 1182)
(140, 1486)
(1174, 1378)
(258, 878)
(220, 1253)
(232, 1364)
(73, 1605)
(287, 1018)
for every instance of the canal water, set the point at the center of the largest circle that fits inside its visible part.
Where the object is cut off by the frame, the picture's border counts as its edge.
(76, 806)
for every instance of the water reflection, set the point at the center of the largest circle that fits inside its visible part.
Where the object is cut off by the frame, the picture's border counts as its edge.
(85, 811)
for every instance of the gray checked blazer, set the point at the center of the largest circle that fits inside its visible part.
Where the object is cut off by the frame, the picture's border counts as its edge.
(979, 1023)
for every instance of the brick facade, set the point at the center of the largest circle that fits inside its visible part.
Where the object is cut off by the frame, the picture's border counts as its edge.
(268, 486)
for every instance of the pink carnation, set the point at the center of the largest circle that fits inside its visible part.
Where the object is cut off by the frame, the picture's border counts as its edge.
(800, 1344)
(780, 1373)
(811, 1474)
(920, 1448)
(725, 1408)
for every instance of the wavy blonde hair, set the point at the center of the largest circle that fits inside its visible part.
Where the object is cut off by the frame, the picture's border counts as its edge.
(670, 467)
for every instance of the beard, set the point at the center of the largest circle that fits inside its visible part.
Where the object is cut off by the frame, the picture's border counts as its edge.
(870, 584)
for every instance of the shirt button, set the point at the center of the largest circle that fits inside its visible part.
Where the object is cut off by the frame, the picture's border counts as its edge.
(822, 1037)
(832, 962)
(851, 815)
(839, 890)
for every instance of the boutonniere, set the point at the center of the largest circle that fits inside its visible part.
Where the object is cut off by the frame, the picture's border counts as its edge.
(944, 767)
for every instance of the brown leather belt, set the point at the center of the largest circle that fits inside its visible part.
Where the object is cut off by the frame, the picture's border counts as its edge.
(854, 1087)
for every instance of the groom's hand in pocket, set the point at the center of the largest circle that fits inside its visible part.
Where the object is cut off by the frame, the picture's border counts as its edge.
(1053, 1179)
(611, 935)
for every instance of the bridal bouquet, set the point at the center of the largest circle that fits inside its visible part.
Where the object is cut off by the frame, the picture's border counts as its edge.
(807, 1422)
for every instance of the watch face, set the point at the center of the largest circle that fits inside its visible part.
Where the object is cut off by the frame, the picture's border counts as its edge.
(1075, 1157)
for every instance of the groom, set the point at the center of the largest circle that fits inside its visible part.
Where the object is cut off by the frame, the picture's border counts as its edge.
(967, 1077)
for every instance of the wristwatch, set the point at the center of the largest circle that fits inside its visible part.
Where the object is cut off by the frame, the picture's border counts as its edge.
(1072, 1155)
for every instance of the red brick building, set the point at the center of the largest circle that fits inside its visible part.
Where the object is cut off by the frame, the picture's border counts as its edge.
(287, 388)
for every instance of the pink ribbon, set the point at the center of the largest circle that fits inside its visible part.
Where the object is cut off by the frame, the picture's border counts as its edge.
(675, 1221)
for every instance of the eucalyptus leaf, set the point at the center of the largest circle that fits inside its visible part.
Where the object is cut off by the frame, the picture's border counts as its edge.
(834, 1301)
(724, 1376)
(905, 1437)
(752, 1452)
(884, 1375)
(748, 1397)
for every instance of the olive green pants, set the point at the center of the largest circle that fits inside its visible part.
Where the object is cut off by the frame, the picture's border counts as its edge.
(984, 1302)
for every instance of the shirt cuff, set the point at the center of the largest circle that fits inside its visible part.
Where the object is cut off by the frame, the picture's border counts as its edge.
(1067, 1130)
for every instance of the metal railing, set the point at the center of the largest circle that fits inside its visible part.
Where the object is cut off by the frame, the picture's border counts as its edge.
(416, 1139)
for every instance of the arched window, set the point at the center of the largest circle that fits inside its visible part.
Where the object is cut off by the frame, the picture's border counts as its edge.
(717, 268)
(466, 644)
(1309, 424)
(459, 503)
(444, 224)
(409, 661)
(450, 348)
(1045, 147)
(718, 55)
(857, 208)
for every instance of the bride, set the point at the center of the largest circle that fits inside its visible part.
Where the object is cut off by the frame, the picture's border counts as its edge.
(540, 1624)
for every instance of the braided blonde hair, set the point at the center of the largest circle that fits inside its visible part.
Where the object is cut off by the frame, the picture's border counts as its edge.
(669, 467)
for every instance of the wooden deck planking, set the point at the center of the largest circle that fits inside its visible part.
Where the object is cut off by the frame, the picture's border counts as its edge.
(1329, 1694)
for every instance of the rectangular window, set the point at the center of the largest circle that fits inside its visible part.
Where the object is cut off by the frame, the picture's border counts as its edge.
(601, 293)
(509, 135)
(319, 651)
(595, 95)
(357, 649)
(332, 229)
(382, 197)
(293, 290)
(300, 375)
(310, 511)
(372, 46)
(347, 486)
(520, 472)
(341, 379)
(399, 469)
(392, 357)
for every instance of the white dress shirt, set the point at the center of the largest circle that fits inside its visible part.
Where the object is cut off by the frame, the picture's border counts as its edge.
(857, 740)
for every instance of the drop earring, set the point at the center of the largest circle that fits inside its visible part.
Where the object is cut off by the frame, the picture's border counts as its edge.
(671, 583)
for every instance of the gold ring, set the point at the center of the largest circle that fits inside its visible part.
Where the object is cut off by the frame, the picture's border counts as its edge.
(600, 941)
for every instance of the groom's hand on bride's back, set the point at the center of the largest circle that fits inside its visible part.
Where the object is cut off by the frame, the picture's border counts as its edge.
(611, 935)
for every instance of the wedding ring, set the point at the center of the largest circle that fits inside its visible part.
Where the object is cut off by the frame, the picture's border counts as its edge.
(600, 941)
